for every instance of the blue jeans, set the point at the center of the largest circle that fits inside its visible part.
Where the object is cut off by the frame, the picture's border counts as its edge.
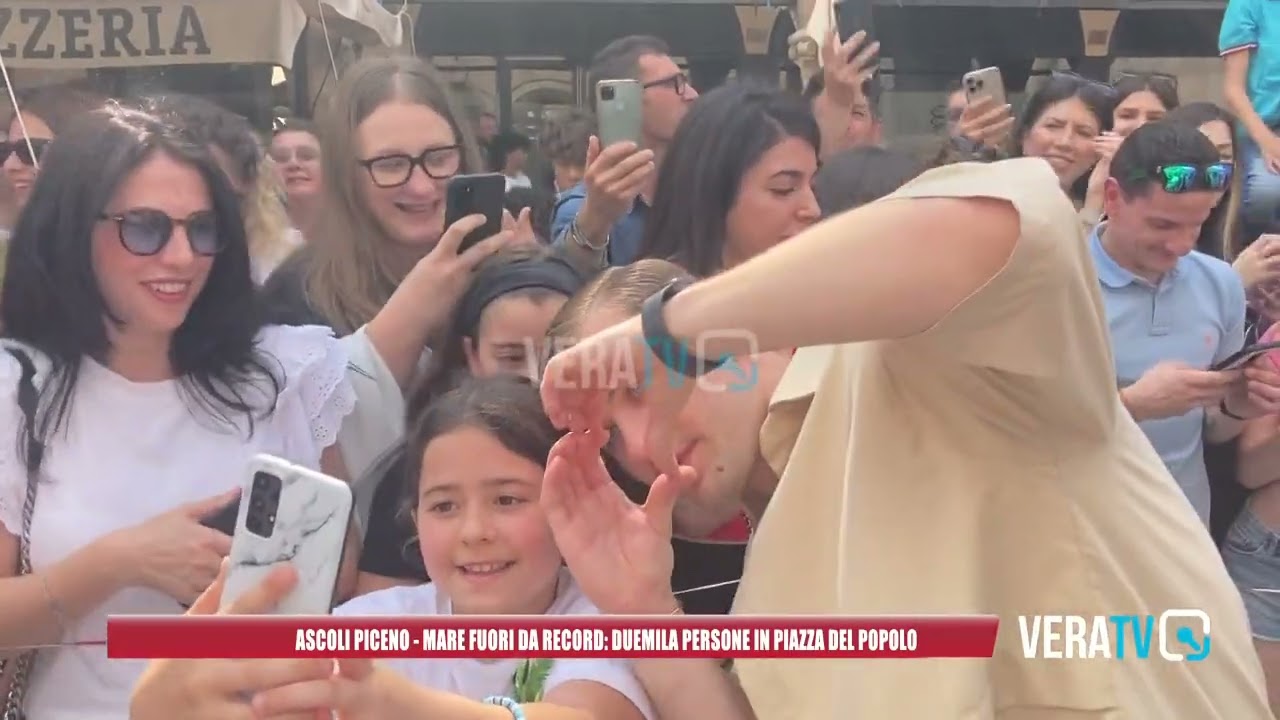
(1252, 555)
(1261, 206)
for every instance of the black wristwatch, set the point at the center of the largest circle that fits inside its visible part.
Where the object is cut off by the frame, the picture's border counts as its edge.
(671, 351)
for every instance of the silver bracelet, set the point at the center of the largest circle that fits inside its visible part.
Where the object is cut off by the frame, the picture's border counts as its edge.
(575, 234)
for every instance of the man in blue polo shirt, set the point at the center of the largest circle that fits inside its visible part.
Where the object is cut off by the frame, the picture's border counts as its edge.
(1174, 312)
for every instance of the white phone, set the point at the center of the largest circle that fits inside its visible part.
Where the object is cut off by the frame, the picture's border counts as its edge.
(987, 82)
(289, 513)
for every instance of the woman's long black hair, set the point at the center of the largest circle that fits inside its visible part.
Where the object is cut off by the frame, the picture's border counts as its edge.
(1098, 97)
(723, 136)
(51, 299)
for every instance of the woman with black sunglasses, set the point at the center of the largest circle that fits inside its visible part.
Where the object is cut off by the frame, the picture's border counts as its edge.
(137, 378)
(42, 113)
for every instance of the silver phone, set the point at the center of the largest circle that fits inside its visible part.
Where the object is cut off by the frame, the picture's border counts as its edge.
(289, 513)
(619, 108)
(985, 83)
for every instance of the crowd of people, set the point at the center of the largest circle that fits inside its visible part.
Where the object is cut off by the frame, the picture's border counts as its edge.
(981, 383)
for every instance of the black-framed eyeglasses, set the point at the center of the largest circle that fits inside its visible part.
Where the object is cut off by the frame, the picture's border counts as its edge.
(19, 149)
(1185, 177)
(145, 231)
(678, 82)
(394, 170)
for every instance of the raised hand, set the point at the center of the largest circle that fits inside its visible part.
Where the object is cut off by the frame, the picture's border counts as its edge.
(579, 386)
(619, 552)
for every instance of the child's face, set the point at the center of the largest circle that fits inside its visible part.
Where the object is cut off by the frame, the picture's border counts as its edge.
(485, 541)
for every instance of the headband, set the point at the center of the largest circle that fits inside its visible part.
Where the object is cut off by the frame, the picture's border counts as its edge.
(550, 273)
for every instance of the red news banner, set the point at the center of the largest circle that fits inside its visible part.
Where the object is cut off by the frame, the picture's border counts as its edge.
(548, 636)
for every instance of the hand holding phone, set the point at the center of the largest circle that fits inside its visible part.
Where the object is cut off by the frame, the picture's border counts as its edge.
(289, 514)
(175, 552)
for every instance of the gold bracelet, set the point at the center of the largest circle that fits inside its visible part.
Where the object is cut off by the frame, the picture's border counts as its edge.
(54, 606)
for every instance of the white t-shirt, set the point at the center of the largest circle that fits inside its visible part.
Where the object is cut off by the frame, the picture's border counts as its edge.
(479, 679)
(131, 451)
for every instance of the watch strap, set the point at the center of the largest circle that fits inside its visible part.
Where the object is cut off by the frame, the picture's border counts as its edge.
(666, 347)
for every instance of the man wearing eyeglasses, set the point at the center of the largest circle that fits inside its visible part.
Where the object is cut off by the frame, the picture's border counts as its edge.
(1173, 312)
(601, 221)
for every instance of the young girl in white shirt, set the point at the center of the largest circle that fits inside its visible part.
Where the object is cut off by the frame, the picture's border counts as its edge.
(477, 457)
(141, 384)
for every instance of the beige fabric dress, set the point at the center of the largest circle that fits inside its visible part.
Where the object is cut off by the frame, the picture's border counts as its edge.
(986, 466)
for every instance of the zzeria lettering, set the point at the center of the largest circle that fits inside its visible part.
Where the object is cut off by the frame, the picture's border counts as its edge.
(100, 30)
(1177, 635)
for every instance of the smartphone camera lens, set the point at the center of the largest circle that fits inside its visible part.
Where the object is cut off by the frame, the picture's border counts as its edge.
(606, 93)
(263, 503)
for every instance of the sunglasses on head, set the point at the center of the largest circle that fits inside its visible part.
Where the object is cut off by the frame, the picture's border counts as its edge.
(22, 151)
(1095, 85)
(1185, 177)
(1149, 78)
(144, 231)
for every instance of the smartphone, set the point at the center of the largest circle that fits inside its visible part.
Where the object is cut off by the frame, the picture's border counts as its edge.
(224, 520)
(618, 111)
(289, 513)
(1244, 356)
(485, 195)
(852, 16)
(984, 83)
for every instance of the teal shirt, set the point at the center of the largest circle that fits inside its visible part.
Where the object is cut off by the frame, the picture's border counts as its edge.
(1254, 26)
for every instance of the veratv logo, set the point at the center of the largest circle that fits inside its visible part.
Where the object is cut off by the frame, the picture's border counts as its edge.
(619, 370)
(1183, 636)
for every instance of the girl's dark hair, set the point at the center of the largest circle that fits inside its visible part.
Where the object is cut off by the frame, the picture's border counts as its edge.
(1163, 87)
(51, 299)
(534, 273)
(1097, 97)
(507, 407)
(722, 137)
(1222, 235)
(861, 175)
(210, 124)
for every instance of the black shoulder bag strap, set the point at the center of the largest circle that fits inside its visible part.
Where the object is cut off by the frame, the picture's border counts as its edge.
(28, 398)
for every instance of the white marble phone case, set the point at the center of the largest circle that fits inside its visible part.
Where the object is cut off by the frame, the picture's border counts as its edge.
(309, 533)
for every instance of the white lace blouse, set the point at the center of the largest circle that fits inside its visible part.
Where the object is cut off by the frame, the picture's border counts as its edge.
(131, 451)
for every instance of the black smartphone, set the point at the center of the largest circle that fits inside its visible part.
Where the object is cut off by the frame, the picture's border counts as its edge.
(852, 16)
(1244, 356)
(224, 520)
(476, 195)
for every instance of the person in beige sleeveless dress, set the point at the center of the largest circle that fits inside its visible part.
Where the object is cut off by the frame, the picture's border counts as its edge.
(949, 439)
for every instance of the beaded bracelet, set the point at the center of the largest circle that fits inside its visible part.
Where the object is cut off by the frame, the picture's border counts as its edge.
(517, 712)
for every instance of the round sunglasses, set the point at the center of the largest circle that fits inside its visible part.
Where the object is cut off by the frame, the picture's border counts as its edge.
(144, 231)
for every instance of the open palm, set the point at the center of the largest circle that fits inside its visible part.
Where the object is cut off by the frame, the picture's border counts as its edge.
(619, 552)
